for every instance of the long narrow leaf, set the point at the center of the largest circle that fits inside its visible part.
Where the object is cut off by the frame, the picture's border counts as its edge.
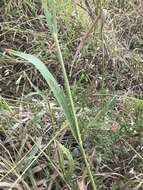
(49, 11)
(103, 111)
(57, 91)
(65, 153)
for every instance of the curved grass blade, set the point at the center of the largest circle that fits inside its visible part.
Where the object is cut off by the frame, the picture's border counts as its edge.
(63, 153)
(54, 86)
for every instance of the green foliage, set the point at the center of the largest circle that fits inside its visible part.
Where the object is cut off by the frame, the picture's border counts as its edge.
(4, 105)
(63, 155)
(104, 109)
(50, 13)
(68, 106)
(57, 91)
(114, 61)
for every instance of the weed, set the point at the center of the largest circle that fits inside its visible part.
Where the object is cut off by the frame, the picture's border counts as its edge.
(37, 149)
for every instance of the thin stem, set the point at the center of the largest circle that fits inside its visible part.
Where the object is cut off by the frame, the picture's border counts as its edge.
(68, 90)
(67, 86)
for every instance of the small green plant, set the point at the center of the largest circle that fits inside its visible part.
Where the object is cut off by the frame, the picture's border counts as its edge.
(64, 100)
(69, 169)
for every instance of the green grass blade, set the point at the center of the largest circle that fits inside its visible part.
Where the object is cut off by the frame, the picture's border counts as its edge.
(105, 108)
(4, 105)
(49, 11)
(65, 153)
(54, 86)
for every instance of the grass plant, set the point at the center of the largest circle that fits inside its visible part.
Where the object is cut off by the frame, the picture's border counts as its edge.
(65, 101)
(71, 98)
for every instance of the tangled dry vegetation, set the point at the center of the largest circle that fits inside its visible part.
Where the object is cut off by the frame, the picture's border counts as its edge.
(106, 80)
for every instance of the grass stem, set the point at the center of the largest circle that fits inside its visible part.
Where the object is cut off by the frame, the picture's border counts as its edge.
(68, 90)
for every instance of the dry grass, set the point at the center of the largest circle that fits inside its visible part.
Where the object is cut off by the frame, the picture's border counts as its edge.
(109, 64)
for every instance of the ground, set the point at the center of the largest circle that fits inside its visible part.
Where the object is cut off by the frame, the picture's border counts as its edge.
(37, 148)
